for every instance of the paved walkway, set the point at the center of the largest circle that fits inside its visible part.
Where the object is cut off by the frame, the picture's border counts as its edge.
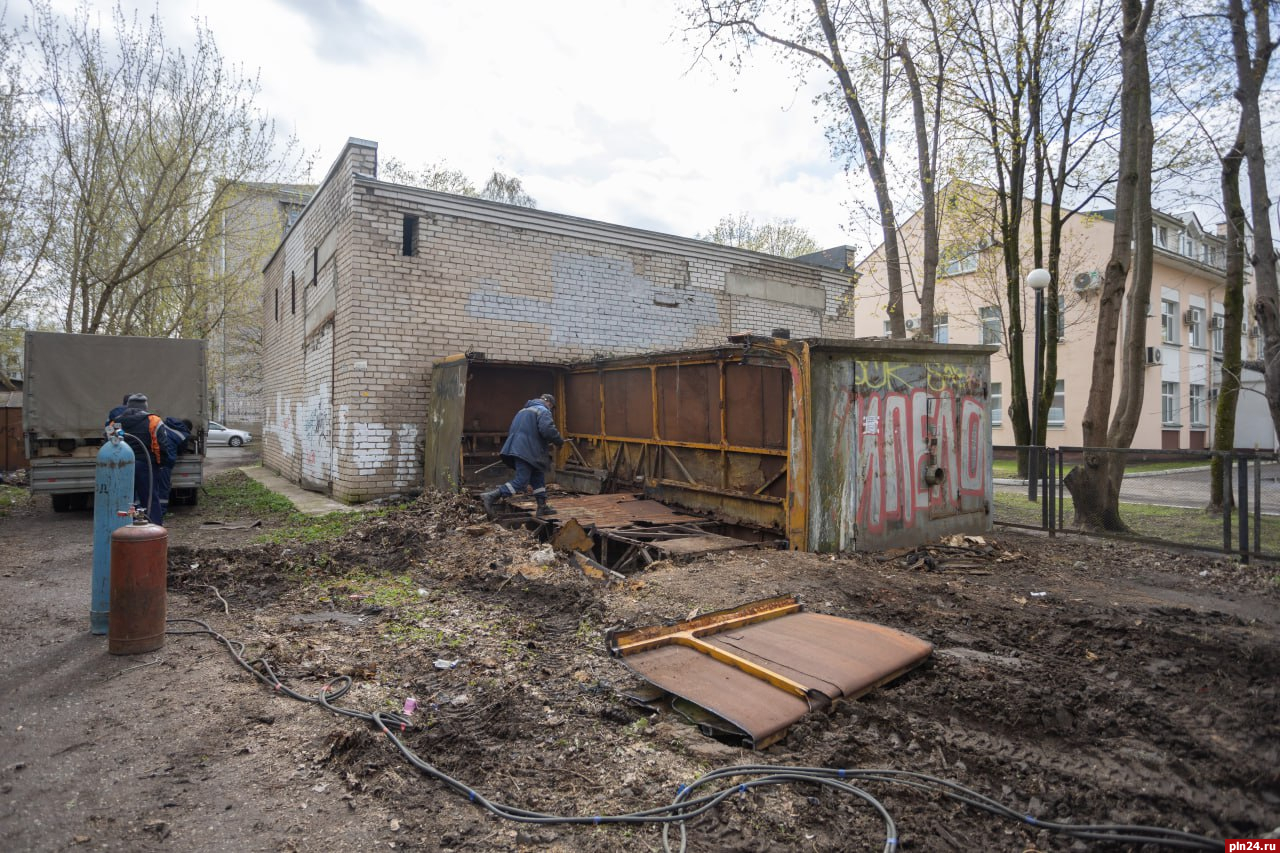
(307, 503)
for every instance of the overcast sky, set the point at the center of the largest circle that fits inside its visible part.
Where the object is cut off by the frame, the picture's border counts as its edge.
(597, 105)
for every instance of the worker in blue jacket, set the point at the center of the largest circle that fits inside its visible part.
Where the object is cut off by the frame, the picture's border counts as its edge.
(155, 450)
(527, 451)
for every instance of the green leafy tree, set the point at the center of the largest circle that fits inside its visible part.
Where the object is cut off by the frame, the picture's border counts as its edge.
(781, 237)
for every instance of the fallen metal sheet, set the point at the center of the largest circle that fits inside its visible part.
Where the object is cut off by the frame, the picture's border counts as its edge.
(765, 665)
(611, 511)
(686, 546)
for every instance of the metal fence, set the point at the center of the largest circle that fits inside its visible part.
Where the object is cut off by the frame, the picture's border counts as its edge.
(1166, 496)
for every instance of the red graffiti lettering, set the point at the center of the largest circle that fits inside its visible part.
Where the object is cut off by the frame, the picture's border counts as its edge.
(902, 439)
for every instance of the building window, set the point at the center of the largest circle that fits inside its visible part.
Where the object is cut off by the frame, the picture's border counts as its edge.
(997, 404)
(409, 237)
(963, 259)
(1162, 236)
(1219, 323)
(992, 325)
(1195, 326)
(293, 293)
(1195, 401)
(1062, 318)
(291, 214)
(887, 330)
(1168, 321)
(315, 265)
(277, 293)
(1058, 411)
(940, 334)
(1169, 403)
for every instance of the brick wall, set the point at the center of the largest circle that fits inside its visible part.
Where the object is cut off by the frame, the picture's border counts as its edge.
(510, 282)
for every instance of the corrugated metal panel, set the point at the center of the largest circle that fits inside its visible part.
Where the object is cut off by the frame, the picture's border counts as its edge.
(762, 671)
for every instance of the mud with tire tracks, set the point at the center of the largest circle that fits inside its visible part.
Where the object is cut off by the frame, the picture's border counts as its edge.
(1072, 680)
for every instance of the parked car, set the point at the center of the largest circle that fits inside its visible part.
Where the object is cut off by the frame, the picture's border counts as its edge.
(218, 434)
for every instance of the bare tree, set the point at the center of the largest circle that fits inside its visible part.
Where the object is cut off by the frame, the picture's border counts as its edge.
(433, 176)
(781, 237)
(1095, 485)
(148, 139)
(820, 36)
(1252, 62)
(27, 209)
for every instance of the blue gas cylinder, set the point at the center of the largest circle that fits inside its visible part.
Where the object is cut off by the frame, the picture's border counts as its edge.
(112, 500)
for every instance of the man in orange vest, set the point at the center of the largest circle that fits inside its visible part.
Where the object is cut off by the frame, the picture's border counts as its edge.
(155, 452)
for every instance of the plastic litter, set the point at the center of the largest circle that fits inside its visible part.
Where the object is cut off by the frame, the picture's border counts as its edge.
(441, 663)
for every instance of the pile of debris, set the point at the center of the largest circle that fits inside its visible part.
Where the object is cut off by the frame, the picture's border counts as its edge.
(959, 553)
(14, 478)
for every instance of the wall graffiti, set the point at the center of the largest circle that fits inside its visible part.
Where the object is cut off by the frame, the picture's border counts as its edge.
(923, 442)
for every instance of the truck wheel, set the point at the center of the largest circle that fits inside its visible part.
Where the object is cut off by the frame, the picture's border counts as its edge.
(61, 503)
(235, 441)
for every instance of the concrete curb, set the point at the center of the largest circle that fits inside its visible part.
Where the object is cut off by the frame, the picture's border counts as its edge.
(307, 503)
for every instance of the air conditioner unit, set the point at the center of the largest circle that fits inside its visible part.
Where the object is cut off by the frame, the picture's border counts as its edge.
(1154, 355)
(1189, 317)
(1085, 281)
(1217, 321)
(913, 324)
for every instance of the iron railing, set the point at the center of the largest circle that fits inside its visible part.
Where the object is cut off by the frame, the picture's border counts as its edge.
(1166, 496)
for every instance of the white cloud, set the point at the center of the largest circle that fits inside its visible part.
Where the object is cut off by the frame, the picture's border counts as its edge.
(592, 103)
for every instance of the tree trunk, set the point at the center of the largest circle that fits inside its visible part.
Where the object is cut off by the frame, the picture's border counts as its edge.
(1250, 71)
(875, 169)
(928, 210)
(1095, 486)
(1224, 422)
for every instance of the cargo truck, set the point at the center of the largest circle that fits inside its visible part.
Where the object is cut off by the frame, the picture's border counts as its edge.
(72, 381)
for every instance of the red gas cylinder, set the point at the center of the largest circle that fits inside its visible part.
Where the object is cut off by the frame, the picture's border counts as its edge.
(139, 563)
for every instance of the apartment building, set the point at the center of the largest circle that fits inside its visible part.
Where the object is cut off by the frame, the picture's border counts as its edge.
(1185, 326)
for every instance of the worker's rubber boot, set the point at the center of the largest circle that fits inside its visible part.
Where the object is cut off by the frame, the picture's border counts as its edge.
(543, 510)
(490, 501)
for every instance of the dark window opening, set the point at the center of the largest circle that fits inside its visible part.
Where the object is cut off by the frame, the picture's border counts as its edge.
(293, 293)
(315, 265)
(409, 237)
(277, 305)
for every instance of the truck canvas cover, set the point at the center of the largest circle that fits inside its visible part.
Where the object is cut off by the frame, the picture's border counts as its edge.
(72, 381)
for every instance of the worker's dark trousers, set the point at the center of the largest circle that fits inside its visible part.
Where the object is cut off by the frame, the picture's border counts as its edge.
(152, 497)
(526, 475)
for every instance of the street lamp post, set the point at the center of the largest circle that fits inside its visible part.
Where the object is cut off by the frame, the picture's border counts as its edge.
(1037, 280)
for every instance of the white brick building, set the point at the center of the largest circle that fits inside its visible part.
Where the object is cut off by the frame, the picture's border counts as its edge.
(377, 281)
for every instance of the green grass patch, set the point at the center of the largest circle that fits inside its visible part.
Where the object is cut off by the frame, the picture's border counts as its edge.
(236, 493)
(12, 497)
(1171, 524)
(1008, 468)
(312, 528)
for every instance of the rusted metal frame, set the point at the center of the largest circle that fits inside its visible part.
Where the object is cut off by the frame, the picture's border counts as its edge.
(691, 632)
(730, 493)
(781, 473)
(582, 459)
(656, 360)
(799, 417)
(724, 424)
(679, 464)
(692, 445)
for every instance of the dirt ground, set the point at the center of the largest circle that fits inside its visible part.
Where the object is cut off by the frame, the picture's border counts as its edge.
(1073, 680)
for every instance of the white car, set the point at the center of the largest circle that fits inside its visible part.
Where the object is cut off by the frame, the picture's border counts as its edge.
(218, 434)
